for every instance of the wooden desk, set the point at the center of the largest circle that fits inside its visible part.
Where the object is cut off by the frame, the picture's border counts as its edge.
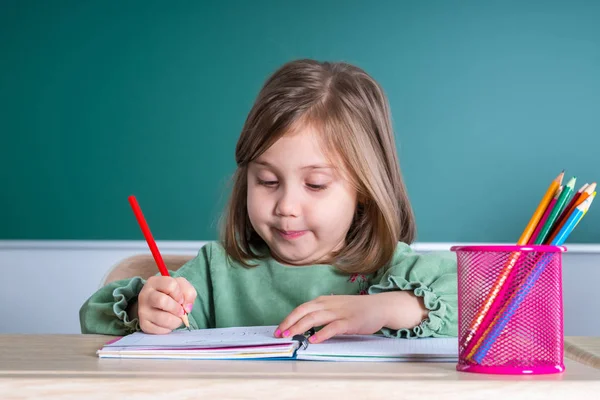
(65, 366)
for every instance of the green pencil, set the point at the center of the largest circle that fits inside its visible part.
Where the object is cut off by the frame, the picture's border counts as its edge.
(558, 207)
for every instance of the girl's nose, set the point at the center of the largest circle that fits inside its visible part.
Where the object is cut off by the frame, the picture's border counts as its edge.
(288, 204)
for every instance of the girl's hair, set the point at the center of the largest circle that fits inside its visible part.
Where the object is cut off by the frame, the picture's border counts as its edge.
(351, 113)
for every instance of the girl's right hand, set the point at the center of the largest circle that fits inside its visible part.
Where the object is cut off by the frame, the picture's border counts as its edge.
(161, 303)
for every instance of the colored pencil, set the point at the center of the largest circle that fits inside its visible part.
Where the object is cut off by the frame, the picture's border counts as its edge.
(525, 236)
(560, 204)
(570, 204)
(549, 209)
(565, 213)
(591, 200)
(162, 268)
(539, 211)
(559, 224)
(503, 317)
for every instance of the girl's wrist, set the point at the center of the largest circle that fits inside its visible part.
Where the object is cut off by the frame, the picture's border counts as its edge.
(403, 309)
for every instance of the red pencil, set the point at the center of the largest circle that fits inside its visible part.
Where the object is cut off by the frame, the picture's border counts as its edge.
(153, 247)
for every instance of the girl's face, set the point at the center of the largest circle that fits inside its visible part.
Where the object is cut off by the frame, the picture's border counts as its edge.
(298, 202)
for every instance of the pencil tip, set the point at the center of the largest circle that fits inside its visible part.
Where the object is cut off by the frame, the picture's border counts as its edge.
(186, 321)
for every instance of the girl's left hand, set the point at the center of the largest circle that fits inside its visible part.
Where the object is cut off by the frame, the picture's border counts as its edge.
(359, 314)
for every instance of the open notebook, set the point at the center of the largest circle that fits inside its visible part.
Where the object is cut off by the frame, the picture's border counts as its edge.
(258, 343)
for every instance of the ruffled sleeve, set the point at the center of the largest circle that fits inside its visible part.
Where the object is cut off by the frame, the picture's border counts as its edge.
(431, 276)
(105, 312)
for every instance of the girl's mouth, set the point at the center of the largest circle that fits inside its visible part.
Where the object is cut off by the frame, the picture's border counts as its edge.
(290, 235)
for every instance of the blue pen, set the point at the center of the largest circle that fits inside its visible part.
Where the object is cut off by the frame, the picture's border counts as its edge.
(530, 281)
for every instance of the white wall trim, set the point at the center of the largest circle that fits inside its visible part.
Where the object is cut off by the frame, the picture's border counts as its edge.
(129, 245)
(191, 246)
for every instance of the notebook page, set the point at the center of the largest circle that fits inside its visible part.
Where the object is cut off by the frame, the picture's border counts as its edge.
(202, 338)
(376, 347)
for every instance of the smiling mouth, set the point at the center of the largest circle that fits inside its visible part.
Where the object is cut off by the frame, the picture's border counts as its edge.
(289, 235)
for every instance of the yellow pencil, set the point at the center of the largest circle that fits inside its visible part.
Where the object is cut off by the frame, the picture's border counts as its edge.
(541, 208)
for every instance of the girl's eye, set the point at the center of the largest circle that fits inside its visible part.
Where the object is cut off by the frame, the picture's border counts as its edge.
(267, 183)
(316, 187)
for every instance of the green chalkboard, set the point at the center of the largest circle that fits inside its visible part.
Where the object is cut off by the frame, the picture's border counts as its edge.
(103, 99)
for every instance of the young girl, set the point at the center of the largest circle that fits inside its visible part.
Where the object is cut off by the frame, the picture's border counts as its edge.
(316, 233)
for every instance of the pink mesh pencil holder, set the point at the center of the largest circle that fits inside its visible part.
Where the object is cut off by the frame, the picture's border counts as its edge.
(510, 309)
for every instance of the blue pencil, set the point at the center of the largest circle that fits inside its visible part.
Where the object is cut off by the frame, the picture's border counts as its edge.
(500, 324)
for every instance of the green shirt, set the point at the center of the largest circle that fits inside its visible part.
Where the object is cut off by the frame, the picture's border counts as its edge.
(230, 294)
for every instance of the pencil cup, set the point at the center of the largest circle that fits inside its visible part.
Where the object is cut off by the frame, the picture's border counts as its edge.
(510, 309)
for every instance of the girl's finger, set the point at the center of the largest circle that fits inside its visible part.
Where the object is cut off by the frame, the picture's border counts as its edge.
(152, 328)
(311, 320)
(298, 313)
(168, 286)
(165, 320)
(189, 293)
(161, 301)
(337, 327)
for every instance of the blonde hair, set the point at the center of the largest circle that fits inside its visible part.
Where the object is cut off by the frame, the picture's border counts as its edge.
(352, 115)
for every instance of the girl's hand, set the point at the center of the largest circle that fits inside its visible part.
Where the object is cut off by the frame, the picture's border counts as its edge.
(161, 303)
(339, 314)
(356, 315)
